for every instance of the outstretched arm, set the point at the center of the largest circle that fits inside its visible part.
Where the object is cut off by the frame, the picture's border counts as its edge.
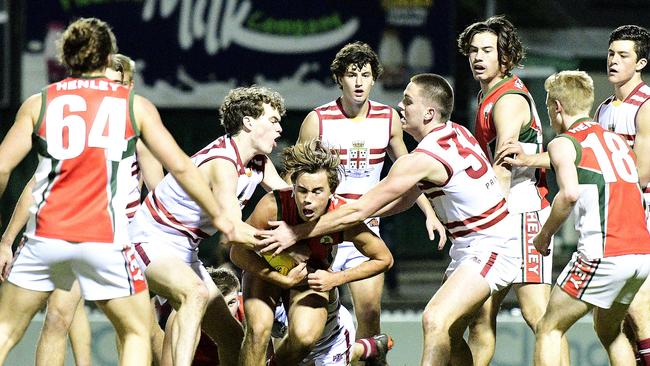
(511, 153)
(397, 148)
(405, 173)
(563, 154)
(176, 162)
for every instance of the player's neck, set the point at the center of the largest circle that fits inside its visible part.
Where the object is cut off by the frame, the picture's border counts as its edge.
(486, 85)
(353, 109)
(622, 91)
(245, 147)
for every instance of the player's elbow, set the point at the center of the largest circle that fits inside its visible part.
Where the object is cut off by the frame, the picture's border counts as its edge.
(570, 195)
(386, 262)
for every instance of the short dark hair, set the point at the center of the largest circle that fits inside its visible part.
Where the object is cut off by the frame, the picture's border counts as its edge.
(85, 46)
(509, 46)
(358, 54)
(242, 102)
(436, 89)
(639, 35)
(225, 279)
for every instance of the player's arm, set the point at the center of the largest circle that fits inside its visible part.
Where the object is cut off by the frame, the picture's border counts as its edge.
(513, 154)
(642, 144)
(309, 129)
(272, 179)
(396, 149)
(18, 220)
(152, 171)
(251, 262)
(379, 260)
(176, 162)
(510, 112)
(562, 152)
(405, 173)
(18, 141)
(222, 177)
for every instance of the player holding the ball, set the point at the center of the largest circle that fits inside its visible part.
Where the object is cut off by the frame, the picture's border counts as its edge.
(308, 286)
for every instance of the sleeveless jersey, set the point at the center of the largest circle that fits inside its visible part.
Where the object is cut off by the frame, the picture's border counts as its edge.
(611, 218)
(321, 247)
(362, 143)
(470, 203)
(85, 137)
(170, 209)
(620, 117)
(528, 185)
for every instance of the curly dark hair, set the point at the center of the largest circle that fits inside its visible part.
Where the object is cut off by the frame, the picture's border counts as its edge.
(310, 157)
(247, 101)
(358, 54)
(639, 35)
(85, 46)
(511, 51)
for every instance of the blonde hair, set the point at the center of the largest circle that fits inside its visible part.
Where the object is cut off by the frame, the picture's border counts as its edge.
(310, 157)
(125, 66)
(573, 89)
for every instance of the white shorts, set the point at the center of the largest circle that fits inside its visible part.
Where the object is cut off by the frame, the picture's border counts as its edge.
(499, 270)
(334, 349)
(536, 268)
(347, 255)
(602, 282)
(147, 253)
(104, 270)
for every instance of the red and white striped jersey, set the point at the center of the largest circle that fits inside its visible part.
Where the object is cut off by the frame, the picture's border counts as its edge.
(470, 204)
(620, 117)
(610, 215)
(169, 209)
(361, 141)
(85, 138)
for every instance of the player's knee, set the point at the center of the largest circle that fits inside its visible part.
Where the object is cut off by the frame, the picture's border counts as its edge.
(304, 339)
(433, 323)
(196, 295)
(56, 321)
(533, 313)
(544, 327)
(369, 314)
(257, 333)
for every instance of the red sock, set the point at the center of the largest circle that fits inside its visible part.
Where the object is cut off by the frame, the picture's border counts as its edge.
(643, 352)
(369, 348)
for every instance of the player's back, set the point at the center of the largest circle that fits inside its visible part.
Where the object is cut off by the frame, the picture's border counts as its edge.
(85, 138)
(470, 203)
(611, 218)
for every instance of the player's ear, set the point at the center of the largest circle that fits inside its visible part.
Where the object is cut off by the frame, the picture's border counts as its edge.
(641, 64)
(247, 121)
